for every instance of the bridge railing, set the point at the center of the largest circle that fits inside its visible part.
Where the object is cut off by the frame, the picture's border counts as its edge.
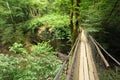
(104, 68)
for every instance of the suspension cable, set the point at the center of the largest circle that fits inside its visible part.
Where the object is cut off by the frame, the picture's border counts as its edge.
(106, 52)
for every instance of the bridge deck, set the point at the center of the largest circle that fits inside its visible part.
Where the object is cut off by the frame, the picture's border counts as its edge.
(84, 66)
(87, 69)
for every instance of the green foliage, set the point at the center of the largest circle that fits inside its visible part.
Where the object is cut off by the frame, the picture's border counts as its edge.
(9, 37)
(110, 74)
(32, 24)
(60, 28)
(90, 17)
(42, 48)
(62, 33)
(18, 48)
(21, 17)
(13, 14)
(62, 20)
(28, 67)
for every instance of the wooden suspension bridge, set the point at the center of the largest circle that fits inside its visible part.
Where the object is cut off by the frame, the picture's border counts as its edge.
(82, 59)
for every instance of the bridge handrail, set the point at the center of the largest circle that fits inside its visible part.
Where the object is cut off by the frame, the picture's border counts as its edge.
(100, 53)
(63, 65)
(106, 52)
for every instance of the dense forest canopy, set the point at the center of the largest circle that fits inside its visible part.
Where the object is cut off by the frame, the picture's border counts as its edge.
(37, 30)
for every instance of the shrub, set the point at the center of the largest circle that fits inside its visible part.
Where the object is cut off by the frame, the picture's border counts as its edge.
(17, 48)
(42, 48)
(28, 67)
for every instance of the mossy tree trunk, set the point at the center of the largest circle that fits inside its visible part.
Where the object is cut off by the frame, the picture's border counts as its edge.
(74, 26)
(71, 16)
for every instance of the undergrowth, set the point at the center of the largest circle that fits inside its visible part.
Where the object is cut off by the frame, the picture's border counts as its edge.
(29, 66)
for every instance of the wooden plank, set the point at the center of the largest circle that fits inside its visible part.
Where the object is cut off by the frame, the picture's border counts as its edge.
(86, 73)
(89, 71)
(75, 67)
(70, 70)
(76, 73)
(93, 71)
(94, 67)
(90, 66)
(81, 67)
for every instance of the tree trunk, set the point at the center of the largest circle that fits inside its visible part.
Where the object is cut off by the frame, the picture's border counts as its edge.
(71, 17)
(76, 25)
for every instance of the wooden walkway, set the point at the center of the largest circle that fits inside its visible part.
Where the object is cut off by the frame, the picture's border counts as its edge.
(84, 67)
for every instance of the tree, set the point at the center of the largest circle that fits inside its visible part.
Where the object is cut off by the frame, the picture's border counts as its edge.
(74, 25)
